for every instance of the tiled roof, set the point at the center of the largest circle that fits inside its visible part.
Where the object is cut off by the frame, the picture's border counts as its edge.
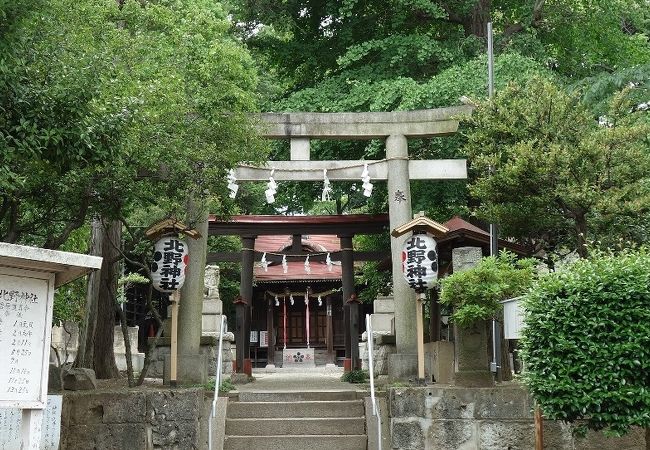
(296, 269)
(456, 223)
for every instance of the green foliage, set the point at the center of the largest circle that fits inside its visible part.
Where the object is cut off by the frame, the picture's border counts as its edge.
(109, 107)
(225, 386)
(476, 293)
(356, 376)
(586, 344)
(549, 174)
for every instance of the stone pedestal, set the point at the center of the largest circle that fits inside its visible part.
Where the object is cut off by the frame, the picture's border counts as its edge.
(212, 304)
(191, 369)
(472, 356)
(439, 361)
(119, 348)
(209, 350)
(471, 342)
(402, 366)
(298, 357)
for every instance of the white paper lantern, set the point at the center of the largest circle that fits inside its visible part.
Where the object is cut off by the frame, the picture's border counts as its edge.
(420, 262)
(170, 260)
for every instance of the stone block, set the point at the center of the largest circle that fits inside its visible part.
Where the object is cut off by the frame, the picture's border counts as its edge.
(407, 435)
(101, 436)
(402, 366)
(213, 307)
(464, 258)
(633, 440)
(107, 407)
(384, 305)
(381, 323)
(474, 378)
(118, 344)
(385, 339)
(54, 378)
(124, 407)
(407, 402)
(439, 361)
(176, 435)
(298, 357)
(190, 369)
(175, 405)
(510, 402)
(453, 434)
(557, 435)
(79, 379)
(471, 347)
(511, 435)
(433, 403)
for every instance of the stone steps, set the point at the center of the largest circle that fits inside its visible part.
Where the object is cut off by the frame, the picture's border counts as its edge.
(343, 408)
(296, 442)
(293, 396)
(293, 426)
(283, 420)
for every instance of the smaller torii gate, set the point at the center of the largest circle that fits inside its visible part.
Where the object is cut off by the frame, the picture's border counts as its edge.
(397, 169)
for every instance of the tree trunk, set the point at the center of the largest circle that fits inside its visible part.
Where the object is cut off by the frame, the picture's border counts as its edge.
(581, 232)
(104, 355)
(476, 23)
(85, 353)
(97, 331)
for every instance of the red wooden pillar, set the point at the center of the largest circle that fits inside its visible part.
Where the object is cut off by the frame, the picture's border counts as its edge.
(270, 350)
(351, 336)
(329, 337)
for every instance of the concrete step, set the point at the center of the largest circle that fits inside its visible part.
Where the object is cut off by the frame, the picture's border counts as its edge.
(296, 426)
(296, 442)
(269, 410)
(293, 396)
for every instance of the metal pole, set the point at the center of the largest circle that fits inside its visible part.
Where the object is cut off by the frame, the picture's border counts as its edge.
(494, 233)
(217, 381)
(371, 372)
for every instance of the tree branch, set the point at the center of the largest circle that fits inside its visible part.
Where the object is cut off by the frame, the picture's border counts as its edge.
(77, 221)
(535, 20)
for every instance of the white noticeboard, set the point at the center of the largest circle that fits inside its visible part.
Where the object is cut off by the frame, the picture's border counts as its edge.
(26, 301)
(264, 338)
(513, 318)
(11, 421)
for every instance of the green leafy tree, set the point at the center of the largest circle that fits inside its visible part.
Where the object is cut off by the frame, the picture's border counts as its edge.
(476, 293)
(113, 106)
(549, 174)
(586, 343)
(111, 109)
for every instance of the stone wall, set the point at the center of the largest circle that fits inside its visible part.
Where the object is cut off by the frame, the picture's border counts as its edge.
(143, 419)
(483, 419)
(209, 346)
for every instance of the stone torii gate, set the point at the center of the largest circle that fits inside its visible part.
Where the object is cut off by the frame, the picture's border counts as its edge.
(396, 168)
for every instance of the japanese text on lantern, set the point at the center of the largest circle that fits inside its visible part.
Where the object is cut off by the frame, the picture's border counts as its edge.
(23, 307)
(170, 261)
(420, 262)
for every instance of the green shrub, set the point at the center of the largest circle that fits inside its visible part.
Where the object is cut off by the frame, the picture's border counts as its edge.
(226, 385)
(475, 294)
(586, 345)
(356, 376)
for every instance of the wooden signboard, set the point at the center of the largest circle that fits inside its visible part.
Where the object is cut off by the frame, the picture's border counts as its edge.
(28, 277)
(26, 301)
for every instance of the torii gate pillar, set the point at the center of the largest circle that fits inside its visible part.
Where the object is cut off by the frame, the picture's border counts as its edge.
(399, 213)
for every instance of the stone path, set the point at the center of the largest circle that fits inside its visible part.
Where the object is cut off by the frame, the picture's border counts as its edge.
(296, 381)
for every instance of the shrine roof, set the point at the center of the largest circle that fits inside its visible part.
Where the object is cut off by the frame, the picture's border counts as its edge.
(317, 244)
(461, 230)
